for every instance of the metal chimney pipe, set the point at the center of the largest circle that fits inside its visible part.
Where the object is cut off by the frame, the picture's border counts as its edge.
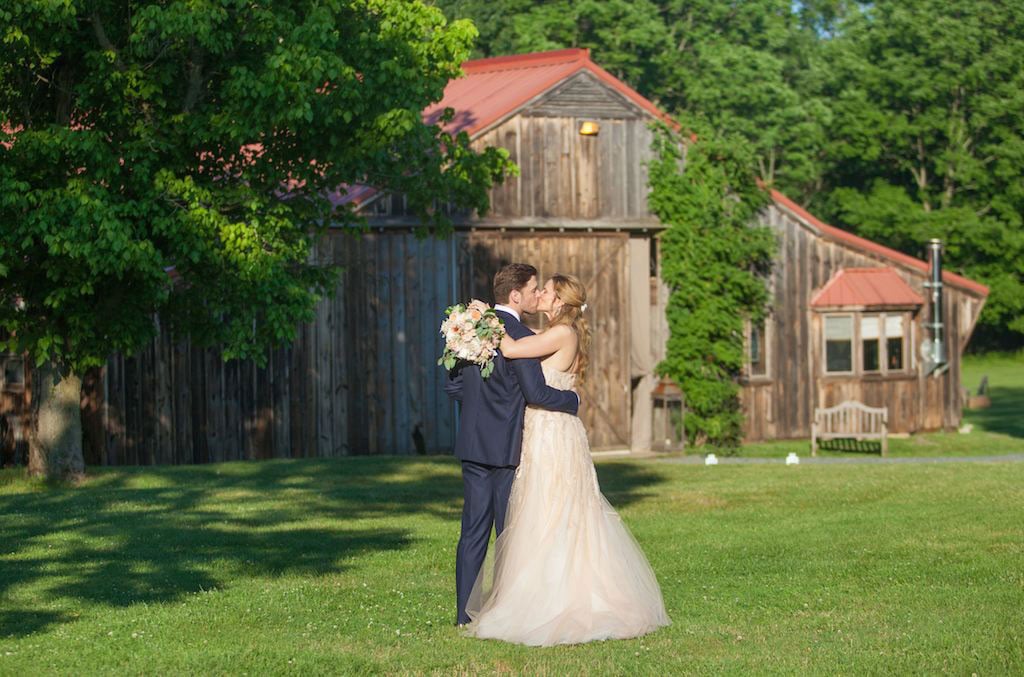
(938, 349)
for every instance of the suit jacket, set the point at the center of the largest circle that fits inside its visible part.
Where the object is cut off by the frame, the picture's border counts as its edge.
(491, 427)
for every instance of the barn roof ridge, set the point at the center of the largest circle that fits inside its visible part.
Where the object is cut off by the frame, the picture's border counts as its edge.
(871, 247)
(529, 60)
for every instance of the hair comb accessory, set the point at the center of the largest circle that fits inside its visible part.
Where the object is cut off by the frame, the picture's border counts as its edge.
(583, 308)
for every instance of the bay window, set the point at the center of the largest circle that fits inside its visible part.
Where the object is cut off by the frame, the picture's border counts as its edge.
(866, 343)
(758, 360)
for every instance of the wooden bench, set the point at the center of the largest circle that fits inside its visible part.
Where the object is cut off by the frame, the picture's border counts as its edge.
(980, 400)
(850, 420)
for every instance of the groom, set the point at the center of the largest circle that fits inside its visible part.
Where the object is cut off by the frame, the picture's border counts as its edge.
(491, 430)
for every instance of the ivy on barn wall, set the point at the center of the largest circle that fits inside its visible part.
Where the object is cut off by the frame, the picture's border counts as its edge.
(715, 259)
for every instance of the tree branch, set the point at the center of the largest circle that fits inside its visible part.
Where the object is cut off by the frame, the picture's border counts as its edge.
(195, 78)
(105, 43)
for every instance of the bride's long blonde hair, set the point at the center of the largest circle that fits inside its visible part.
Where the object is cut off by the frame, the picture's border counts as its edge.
(573, 295)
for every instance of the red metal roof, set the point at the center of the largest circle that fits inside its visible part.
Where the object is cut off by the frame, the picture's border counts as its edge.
(870, 287)
(497, 87)
(873, 247)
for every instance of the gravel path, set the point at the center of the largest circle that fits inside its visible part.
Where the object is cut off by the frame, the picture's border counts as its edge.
(832, 460)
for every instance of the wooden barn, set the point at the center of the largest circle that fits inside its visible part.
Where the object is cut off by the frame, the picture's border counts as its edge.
(582, 141)
(853, 320)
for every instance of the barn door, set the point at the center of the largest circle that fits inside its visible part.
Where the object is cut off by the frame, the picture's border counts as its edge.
(601, 262)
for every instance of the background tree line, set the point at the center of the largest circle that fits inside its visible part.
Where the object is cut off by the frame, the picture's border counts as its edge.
(898, 120)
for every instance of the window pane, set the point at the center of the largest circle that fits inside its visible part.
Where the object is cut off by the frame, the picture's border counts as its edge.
(870, 352)
(869, 327)
(839, 343)
(893, 326)
(839, 327)
(757, 358)
(14, 372)
(894, 349)
(838, 355)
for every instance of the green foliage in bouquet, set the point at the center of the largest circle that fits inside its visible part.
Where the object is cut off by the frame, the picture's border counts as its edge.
(714, 260)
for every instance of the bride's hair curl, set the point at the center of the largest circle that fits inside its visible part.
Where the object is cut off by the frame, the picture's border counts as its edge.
(573, 295)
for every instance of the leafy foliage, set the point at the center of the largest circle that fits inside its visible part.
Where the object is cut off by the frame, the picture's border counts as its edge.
(928, 139)
(205, 139)
(714, 262)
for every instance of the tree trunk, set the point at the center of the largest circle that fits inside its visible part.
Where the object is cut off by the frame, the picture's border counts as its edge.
(55, 437)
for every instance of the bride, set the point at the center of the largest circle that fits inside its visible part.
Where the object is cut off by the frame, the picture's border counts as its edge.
(566, 570)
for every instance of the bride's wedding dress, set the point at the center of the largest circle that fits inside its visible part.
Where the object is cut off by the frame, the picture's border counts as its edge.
(566, 570)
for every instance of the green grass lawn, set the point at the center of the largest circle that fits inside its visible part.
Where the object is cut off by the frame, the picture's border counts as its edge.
(998, 429)
(346, 567)
(1006, 388)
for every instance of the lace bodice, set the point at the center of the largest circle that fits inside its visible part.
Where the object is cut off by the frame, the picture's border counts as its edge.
(562, 380)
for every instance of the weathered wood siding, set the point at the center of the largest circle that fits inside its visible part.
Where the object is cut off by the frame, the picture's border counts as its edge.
(362, 378)
(584, 94)
(563, 174)
(781, 405)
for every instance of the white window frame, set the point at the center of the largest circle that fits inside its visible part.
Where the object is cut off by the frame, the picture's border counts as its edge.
(884, 354)
(880, 319)
(906, 319)
(854, 338)
(766, 336)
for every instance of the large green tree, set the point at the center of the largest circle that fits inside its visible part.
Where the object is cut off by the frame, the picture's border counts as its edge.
(201, 139)
(928, 139)
(751, 71)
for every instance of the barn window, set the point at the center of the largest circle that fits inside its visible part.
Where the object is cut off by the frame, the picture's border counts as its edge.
(13, 373)
(839, 344)
(894, 342)
(866, 343)
(758, 359)
(870, 342)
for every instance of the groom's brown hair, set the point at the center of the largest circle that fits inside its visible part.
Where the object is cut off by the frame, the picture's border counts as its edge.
(511, 277)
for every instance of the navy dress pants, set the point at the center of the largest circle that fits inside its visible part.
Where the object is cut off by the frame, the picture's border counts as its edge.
(486, 489)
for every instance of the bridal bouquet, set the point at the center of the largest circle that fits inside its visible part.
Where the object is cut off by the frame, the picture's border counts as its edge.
(472, 333)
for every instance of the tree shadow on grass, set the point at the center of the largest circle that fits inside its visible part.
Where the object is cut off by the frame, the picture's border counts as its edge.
(626, 483)
(1005, 415)
(145, 535)
(15, 623)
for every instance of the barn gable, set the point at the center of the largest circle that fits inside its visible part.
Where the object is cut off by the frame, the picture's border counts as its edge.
(584, 94)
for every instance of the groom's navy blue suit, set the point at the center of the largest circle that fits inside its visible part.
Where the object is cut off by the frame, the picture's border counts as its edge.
(489, 443)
